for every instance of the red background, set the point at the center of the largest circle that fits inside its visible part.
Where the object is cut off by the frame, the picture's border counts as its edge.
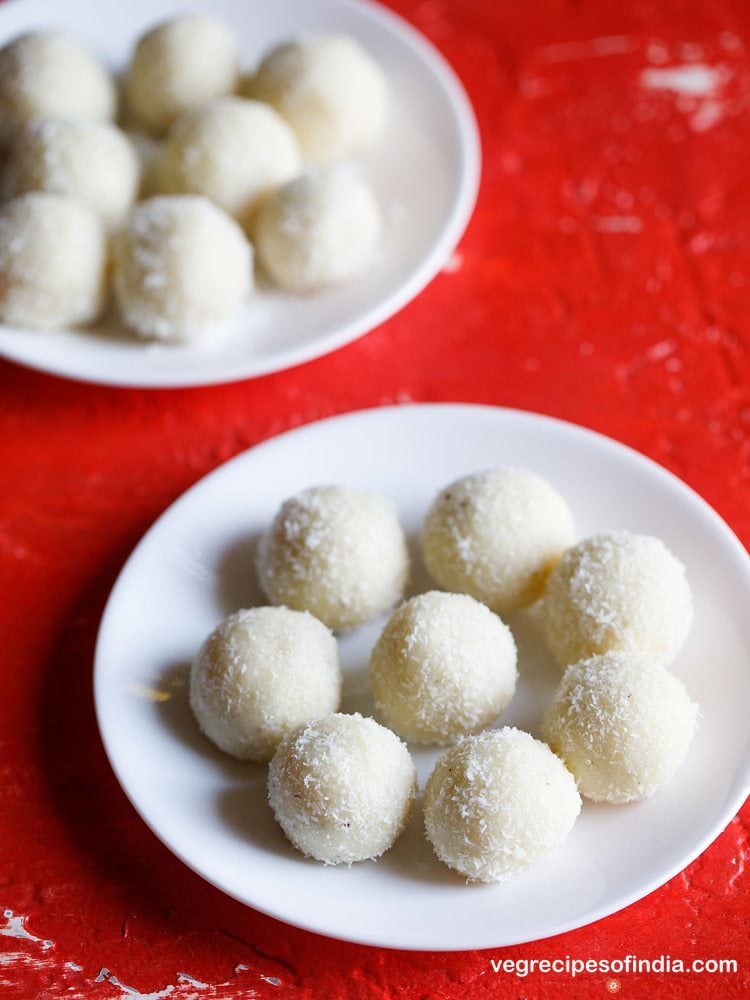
(605, 279)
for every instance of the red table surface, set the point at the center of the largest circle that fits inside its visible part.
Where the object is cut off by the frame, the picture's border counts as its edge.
(604, 279)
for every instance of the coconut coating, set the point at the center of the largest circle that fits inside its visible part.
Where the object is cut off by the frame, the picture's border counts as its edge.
(182, 266)
(320, 229)
(497, 804)
(622, 725)
(330, 90)
(496, 535)
(336, 551)
(180, 65)
(233, 151)
(617, 591)
(53, 262)
(43, 74)
(259, 676)
(444, 666)
(92, 161)
(342, 788)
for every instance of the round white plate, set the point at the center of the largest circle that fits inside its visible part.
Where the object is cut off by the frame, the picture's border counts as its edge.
(195, 566)
(425, 174)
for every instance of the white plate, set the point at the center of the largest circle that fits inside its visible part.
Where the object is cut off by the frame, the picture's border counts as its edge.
(425, 174)
(195, 566)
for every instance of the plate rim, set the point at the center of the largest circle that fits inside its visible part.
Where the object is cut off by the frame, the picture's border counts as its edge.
(733, 803)
(454, 225)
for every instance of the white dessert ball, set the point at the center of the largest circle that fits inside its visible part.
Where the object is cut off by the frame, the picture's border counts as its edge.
(496, 535)
(497, 804)
(89, 160)
(320, 229)
(233, 151)
(443, 667)
(53, 262)
(43, 74)
(330, 90)
(148, 150)
(336, 551)
(342, 788)
(617, 591)
(622, 724)
(180, 65)
(182, 267)
(259, 676)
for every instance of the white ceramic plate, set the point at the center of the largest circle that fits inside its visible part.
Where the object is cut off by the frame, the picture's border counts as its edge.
(195, 566)
(425, 174)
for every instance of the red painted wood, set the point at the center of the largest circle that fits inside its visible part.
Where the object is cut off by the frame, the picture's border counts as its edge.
(605, 279)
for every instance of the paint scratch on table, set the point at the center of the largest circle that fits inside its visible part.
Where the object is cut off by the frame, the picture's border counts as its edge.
(187, 987)
(38, 956)
(14, 927)
(695, 87)
(660, 350)
(739, 862)
(130, 991)
(617, 223)
(185, 978)
(610, 45)
(698, 80)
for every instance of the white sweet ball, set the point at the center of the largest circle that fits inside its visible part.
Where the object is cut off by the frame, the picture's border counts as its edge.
(444, 666)
(496, 535)
(320, 229)
(336, 551)
(622, 725)
(182, 266)
(43, 74)
(53, 262)
(617, 591)
(330, 90)
(259, 676)
(180, 65)
(342, 788)
(148, 150)
(233, 151)
(92, 161)
(497, 804)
